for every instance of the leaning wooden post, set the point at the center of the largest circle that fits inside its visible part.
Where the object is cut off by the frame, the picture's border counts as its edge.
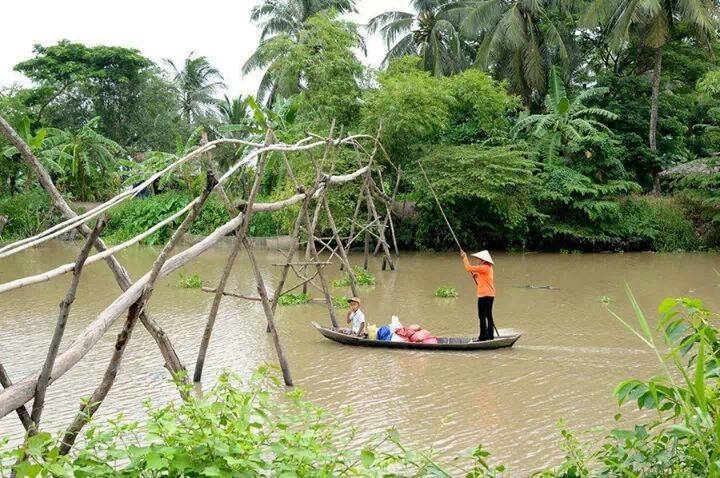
(88, 409)
(267, 308)
(237, 243)
(21, 411)
(172, 361)
(210, 323)
(65, 305)
(260, 283)
(343, 254)
(316, 259)
(388, 218)
(366, 245)
(294, 242)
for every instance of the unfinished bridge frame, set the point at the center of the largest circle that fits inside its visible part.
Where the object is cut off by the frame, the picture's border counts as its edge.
(133, 302)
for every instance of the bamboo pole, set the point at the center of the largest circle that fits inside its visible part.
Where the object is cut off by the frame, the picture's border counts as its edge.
(172, 361)
(388, 219)
(65, 305)
(22, 412)
(88, 408)
(211, 290)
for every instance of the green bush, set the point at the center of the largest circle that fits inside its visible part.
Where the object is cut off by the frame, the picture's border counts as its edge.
(192, 281)
(28, 214)
(682, 437)
(446, 291)
(658, 222)
(235, 430)
(137, 215)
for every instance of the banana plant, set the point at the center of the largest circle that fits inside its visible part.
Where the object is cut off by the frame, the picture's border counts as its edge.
(82, 157)
(565, 122)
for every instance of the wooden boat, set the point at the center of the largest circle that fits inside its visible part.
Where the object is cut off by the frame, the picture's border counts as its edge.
(506, 339)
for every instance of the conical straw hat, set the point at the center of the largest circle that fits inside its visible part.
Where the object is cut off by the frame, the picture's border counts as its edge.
(484, 255)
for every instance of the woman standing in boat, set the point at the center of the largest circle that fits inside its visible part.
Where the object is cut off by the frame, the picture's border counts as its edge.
(483, 275)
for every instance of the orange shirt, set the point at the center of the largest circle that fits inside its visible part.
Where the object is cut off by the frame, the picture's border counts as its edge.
(483, 275)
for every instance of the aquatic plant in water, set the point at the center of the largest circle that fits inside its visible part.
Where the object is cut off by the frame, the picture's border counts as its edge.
(362, 277)
(192, 281)
(294, 299)
(446, 292)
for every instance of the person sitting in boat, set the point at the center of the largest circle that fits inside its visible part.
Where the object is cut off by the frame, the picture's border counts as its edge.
(482, 273)
(355, 317)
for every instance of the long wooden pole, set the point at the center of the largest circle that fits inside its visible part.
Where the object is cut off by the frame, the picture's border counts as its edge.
(65, 305)
(88, 408)
(217, 299)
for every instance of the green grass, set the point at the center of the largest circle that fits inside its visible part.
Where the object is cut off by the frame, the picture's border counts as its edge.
(446, 292)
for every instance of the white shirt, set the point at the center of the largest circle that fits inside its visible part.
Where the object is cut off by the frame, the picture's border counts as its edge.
(357, 318)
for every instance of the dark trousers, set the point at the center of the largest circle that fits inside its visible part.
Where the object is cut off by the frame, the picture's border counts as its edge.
(487, 326)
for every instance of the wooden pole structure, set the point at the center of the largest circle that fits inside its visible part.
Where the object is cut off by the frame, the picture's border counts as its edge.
(172, 361)
(88, 408)
(23, 390)
(373, 210)
(59, 331)
(331, 220)
(210, 323)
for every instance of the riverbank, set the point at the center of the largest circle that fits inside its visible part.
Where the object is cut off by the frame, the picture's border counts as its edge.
(639, 223)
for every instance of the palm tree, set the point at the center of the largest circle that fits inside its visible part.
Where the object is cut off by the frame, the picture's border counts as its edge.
(428, 32)
(517, 39)
(647, 23)
(565, 122)
(283, 18)
(233, 111)
(196, 82)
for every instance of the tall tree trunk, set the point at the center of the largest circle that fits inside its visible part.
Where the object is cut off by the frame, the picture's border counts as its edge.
(657, 67)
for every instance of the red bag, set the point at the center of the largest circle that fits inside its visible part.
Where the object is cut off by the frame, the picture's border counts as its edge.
(430, 340)
(403, 332)
(420, 335)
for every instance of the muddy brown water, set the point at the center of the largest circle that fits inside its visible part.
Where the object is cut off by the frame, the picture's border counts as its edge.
(565, 366)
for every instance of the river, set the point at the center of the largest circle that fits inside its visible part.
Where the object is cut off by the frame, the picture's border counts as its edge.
(565, 366)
